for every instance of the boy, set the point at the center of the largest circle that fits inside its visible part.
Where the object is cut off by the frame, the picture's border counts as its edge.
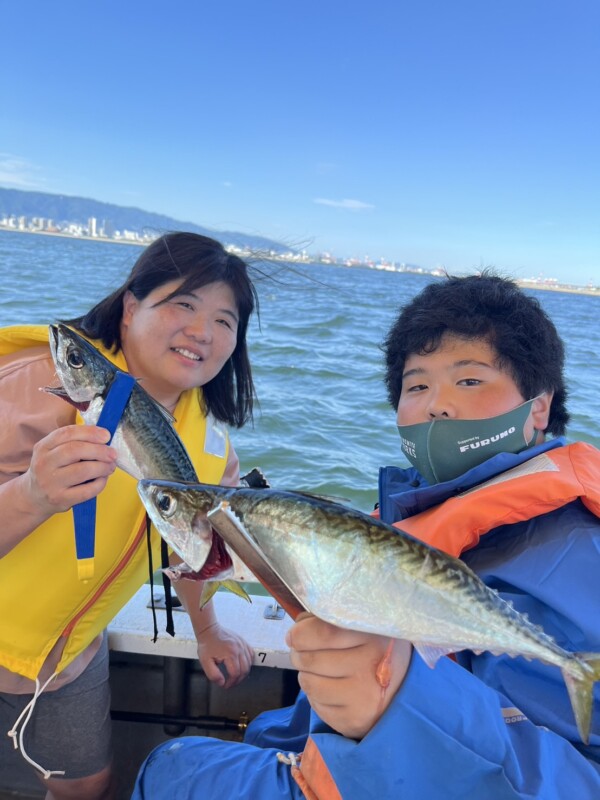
(474, 369)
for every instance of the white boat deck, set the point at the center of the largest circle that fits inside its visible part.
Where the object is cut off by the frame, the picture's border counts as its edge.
(131, 631)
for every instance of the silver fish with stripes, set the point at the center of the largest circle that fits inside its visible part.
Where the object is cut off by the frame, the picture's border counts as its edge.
(356, 572)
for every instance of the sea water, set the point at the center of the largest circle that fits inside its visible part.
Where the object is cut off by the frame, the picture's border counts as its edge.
(323, 423)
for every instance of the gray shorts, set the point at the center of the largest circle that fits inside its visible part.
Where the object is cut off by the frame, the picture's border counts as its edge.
(70, 728)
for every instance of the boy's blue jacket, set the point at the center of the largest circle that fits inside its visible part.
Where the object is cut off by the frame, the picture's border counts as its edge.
(503, 727)
(490, 727)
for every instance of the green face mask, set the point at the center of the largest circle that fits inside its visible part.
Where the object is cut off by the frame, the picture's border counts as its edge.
(446, 448)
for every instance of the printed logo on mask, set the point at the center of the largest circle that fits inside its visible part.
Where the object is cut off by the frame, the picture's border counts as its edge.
(474, 443)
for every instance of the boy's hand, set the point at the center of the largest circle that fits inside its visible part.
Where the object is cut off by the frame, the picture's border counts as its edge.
(338, 670)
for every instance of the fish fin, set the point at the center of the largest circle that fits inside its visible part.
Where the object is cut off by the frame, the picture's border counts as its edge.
(236, 588)
(160, 408)
(431, 654)
(328, 498)
(255, 479)
(209, 589)
(580, 685)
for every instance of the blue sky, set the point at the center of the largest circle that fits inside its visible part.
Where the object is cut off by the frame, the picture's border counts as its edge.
(459, 133)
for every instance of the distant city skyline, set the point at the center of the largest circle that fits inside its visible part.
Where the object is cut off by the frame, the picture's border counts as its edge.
(92, 230)
(451, 136)
(96, 229)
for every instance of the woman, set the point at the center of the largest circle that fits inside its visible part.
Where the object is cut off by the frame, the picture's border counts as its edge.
(178, 324)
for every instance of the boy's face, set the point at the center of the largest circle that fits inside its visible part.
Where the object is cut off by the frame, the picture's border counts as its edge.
(461, 380)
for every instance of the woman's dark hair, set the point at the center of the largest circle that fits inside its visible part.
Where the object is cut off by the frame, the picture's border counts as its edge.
(489, 307)
(197, 261)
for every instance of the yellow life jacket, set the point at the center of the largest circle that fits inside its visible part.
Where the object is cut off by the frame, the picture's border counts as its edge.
(41, 597)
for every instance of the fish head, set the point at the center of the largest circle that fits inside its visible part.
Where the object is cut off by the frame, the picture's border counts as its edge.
(84, 373)
(179, 515)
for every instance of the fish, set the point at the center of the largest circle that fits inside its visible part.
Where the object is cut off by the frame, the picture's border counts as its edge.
(147, 444)
(355, 571)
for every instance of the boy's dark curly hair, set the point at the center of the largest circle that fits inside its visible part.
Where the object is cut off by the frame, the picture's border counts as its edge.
(490, 307)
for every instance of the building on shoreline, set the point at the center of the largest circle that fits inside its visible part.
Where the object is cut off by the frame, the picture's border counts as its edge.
(104, 231)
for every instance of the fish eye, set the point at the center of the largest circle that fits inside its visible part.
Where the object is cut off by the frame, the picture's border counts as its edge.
(166, 504)
(75, 359)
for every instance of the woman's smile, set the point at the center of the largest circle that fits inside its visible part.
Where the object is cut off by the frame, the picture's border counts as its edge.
(183, 351)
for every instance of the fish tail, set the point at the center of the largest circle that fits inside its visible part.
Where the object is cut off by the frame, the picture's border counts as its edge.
(580, 685)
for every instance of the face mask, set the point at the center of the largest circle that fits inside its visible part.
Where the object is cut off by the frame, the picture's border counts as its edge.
(446, 448)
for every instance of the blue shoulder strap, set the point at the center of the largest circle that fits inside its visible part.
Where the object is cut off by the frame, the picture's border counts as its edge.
(84, 514)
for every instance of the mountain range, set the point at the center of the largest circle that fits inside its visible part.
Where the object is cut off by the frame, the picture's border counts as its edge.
(62, 209)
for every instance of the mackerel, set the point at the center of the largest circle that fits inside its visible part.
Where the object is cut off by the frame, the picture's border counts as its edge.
(354, 571)
(147, 444)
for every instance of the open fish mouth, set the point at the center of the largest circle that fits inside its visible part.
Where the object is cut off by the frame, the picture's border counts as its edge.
(217, 562)
(59, 391)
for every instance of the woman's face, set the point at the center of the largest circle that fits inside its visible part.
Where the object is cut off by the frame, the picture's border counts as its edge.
(181, 343)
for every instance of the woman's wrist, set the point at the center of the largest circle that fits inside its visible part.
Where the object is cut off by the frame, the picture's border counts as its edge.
(208, 627)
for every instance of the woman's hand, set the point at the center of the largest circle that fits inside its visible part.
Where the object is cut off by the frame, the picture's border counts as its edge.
(349, 677)
(69, 466)
(225, 657)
